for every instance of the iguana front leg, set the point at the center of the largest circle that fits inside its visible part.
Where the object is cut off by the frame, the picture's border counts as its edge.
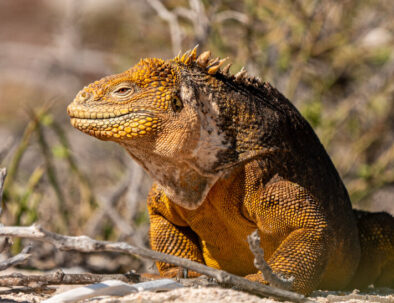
(171, 237)
(293, 234)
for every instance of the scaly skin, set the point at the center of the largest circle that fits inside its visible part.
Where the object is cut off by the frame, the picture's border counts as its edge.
(230, 154)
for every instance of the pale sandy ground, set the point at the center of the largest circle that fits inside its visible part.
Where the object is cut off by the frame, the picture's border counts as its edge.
(208, 295)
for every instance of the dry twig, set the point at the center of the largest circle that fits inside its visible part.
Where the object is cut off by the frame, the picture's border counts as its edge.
(107, 209)
(5, 147)
(20, 150)
(3, 174)
(201, 19)
(266, 271)
(27, 290)
(18, 259)
(86, 244)
(172, 20)
(50, 168)
(5, 243)
(59, 277)
(134, 195)
(231, 15)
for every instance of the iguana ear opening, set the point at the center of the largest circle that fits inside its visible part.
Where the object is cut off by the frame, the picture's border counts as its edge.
(176, 104)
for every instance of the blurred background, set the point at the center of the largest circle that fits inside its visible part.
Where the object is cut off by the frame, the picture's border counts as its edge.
(333, 59)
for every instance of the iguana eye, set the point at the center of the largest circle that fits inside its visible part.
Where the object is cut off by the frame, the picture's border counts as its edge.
(122, 90)
(176, 104)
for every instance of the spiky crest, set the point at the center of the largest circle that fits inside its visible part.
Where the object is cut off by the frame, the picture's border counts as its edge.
(212, 66)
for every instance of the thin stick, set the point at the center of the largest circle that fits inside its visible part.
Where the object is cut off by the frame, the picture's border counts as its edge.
(28, 290)
(108, 209)
(172, 20)
(5, 243)
(266, 271)
(59, 277)
(51, 171)
(3, 174)
(18, 259)
(83, 180)
(86, 244)
(6, 147)
(20, 151)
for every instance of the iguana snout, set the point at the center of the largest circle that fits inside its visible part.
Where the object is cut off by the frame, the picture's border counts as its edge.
(112, 112)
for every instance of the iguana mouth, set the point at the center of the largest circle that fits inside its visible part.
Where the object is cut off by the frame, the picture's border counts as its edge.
(108, 125)
(80, 113)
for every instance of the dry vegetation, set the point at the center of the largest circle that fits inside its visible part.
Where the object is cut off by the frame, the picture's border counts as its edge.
(334, 59)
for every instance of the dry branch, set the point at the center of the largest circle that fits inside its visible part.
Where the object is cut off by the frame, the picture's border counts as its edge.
(107, 209)
(133, 195)
(266, 271)
(3, 174)
(86, 244)
(50, 168)
(27, 290)
(18, 259)
(5, 243)
(231, 15)
(201, 19)
(59, 277)
(5, 147)
(176, 31)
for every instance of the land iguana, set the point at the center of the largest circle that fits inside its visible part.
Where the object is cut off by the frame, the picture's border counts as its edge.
(229, 154)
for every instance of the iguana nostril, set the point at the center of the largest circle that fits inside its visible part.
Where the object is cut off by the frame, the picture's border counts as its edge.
(84, 96)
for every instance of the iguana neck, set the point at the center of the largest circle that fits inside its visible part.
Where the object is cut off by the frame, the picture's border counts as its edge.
(181, 182)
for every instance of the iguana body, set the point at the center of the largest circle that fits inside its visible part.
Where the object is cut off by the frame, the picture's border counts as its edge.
(230, 154)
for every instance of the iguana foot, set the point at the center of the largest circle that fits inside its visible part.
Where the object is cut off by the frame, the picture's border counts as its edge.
(179, 272)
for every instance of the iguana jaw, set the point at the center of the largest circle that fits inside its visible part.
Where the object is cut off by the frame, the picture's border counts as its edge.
(117, 128)
(121, 124)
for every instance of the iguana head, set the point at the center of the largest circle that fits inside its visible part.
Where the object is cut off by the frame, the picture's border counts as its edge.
(174, 117)
(133, 106)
